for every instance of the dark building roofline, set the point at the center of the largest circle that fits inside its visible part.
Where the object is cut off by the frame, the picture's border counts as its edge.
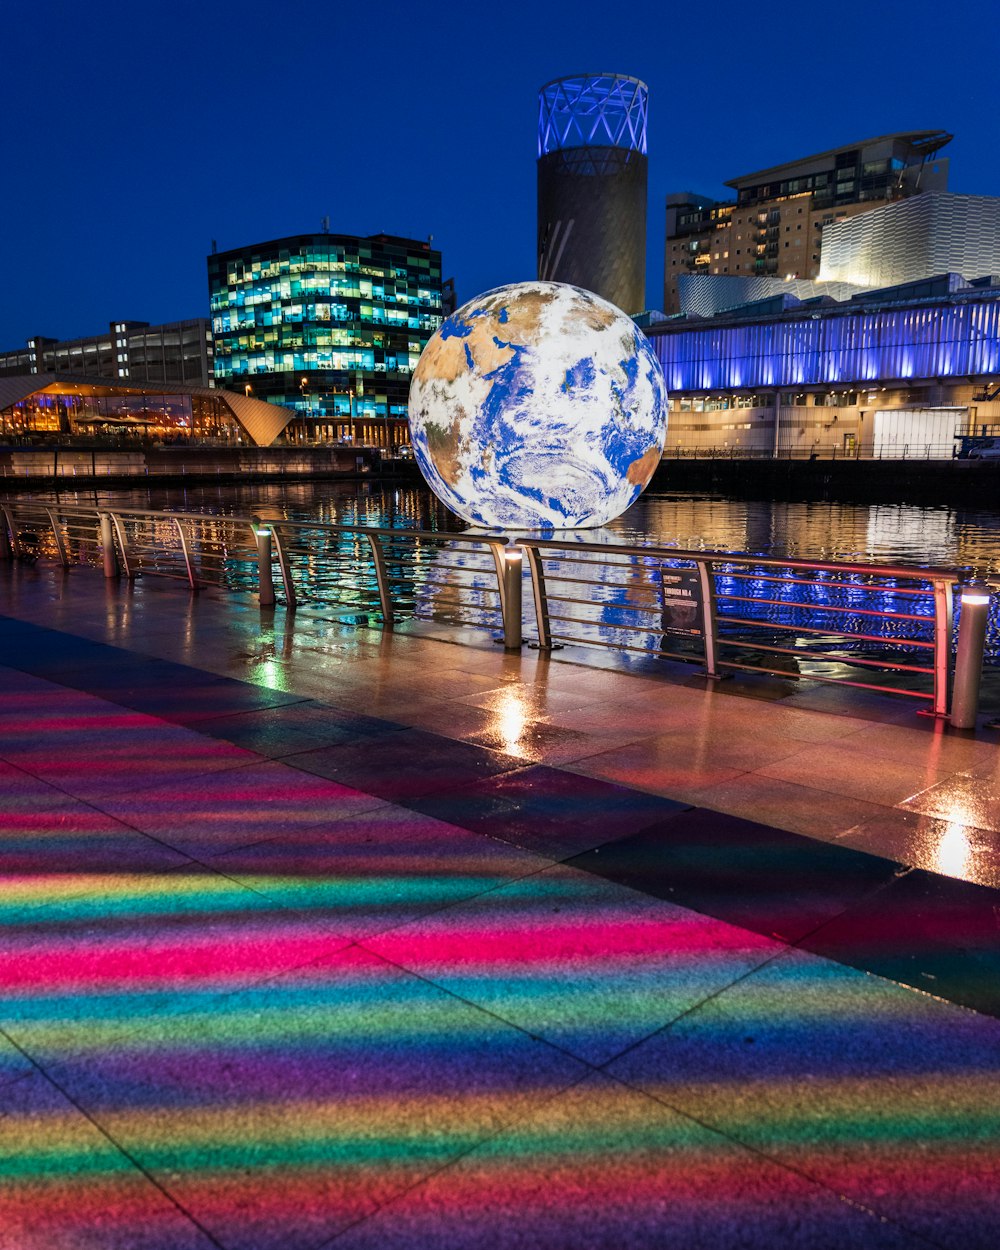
(925, 142)
(395, 240)
(608, 73)
(874, 301)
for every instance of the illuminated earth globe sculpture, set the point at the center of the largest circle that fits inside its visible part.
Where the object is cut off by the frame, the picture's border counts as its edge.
(538, 406)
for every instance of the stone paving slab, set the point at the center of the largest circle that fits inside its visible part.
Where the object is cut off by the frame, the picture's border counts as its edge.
(67, 1184)
(601, 1167)
(776, 883)
(280, 1116)
(300, 1011)
(885, 1095)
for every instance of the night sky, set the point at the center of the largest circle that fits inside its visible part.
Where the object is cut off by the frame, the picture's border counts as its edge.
(136, 133)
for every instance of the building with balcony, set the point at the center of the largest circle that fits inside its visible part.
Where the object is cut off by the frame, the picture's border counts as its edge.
(176, 352)
(328, 325)
(775, 225)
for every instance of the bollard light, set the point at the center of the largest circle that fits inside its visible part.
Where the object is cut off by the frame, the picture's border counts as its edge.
(512, 598)
(975, 601)
(265, 579)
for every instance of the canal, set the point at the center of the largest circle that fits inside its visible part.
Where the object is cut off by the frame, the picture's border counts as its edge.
(824, 530)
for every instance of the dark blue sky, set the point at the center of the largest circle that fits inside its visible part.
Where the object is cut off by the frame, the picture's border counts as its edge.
(135, 133)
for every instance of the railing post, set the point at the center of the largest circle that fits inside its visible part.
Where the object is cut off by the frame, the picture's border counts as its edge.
(6, 550)
(382, 580)
(286, 575)
(508, 562)
(108, 546)
(706, 580)
(185, 548)
(942, 644)
(265, 580)
(124, 547)
(57, 538)
(541, 599)
(975, 601)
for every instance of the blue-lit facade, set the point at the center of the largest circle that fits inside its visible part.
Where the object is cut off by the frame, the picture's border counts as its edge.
(834, 349)
(328, 325)
(878, 375)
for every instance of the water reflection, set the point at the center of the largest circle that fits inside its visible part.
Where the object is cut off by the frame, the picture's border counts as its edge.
(824, 530)
(953, 853)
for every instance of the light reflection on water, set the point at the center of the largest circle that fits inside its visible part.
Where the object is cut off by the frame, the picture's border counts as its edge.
(883, 532)
(822, 531)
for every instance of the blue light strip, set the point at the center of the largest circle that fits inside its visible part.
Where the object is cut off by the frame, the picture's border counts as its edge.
(943, 341)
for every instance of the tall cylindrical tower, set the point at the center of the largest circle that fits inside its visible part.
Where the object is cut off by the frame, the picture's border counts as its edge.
(592, 185)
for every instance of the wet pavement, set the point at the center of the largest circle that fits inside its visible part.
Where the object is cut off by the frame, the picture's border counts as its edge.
(321, 936)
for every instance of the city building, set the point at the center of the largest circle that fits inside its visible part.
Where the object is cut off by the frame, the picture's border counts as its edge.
(328, 325)
(937, 232)
(912, 370)
(776, 225)
(592, 177)
(178, 351)
(72, 409)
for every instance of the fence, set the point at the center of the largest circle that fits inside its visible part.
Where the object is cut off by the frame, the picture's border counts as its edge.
(818, 451)
(874, 627)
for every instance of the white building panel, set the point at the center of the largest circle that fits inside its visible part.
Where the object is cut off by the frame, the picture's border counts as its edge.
(917, 432)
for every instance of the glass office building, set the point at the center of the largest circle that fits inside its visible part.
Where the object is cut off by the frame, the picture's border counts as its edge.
(329, 325)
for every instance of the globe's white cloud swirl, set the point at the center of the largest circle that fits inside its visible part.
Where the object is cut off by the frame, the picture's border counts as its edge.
(538, 406)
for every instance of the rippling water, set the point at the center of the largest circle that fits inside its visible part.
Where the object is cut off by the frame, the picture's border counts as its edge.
(893, 533)
(876, 533)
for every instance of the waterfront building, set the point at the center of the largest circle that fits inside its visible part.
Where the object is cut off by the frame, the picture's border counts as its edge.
(177, 352)
(911, 370)
(328, 325)
(775, 227)
(74, 409)
(937, 232)
(592, 177)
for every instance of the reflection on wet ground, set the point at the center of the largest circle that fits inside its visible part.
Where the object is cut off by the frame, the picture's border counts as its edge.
(318, 936)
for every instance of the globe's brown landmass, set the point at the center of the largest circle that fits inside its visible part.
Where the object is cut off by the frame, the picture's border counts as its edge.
(444, 443)
(445, 360)
(641, 470)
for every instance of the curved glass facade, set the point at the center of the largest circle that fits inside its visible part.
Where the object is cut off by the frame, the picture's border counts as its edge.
(329, 325)
(74, 410)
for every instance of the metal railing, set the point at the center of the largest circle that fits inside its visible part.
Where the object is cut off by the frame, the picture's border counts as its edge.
(817, 451)
(885, 628)
(748, 613)
(367, 574)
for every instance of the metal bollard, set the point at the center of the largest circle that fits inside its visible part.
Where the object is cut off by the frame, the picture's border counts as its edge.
(512, 598)
(265, 580)
(108, 548)
(975, 600)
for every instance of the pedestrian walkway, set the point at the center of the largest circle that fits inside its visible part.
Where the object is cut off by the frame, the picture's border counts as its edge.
(315, 936)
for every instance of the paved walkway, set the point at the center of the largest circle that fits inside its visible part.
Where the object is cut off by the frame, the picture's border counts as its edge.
(318, 937)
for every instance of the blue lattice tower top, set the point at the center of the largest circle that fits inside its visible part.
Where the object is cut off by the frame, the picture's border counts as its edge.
(592, 110)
